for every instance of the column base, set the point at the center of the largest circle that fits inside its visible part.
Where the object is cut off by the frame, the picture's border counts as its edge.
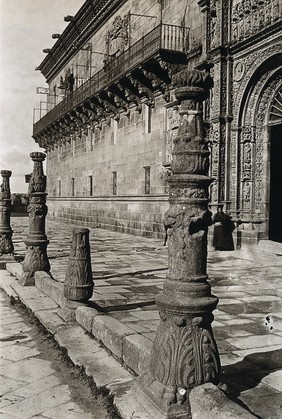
(184, 355)
(6, 259)
(157, 397)
(26, 279)
(36, 259)
(6, 244)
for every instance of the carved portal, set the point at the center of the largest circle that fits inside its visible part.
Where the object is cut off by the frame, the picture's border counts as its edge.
(36, 258)
(184, 353)
(253, 140)
(78, 285)
(6, 244)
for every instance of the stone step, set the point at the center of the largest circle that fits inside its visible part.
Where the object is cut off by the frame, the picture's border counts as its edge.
(270, 247)
(91, 351)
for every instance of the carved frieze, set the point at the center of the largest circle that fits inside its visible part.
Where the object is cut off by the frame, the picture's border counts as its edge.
(222, 177)
(251, 16)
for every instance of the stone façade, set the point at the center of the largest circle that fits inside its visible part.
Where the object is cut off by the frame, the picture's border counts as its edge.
(112, 146)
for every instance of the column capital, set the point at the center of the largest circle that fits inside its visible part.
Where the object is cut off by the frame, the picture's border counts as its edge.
(37, 156)
(6, 173)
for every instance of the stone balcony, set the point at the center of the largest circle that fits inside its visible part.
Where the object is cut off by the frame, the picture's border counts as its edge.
(132, 78)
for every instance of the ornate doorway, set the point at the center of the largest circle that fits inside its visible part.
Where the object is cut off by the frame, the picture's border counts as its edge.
(275, 190)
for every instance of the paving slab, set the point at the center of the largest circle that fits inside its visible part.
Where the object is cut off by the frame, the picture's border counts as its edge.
(37, 404)
(128, 275)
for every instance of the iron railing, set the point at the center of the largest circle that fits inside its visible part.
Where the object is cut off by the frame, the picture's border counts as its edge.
(168, 37)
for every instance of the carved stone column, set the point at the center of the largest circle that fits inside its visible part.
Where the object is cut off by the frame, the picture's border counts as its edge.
(78, 285)
(36, 258)
(6, 244)
(184, 353)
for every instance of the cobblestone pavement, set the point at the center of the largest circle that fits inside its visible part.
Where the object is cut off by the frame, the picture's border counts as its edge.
(35, 380)
(129, 271)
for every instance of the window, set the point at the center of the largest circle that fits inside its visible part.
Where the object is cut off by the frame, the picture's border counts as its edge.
(91, 185)
(72, 186)
(147, 180)
(114, 130)
(59, 188)
(114, 183)
(148, 119)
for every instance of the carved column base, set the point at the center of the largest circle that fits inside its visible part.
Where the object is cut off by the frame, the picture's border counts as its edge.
(36, 259)
(184, 355)
(6, 244)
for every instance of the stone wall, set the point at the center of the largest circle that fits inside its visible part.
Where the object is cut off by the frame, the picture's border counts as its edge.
(139, 215)
(102, 152)
(99, 165)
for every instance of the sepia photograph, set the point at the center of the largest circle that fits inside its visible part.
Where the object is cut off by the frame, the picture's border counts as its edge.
(140, 209)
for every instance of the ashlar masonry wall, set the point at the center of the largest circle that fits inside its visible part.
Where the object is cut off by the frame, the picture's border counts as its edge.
(114, 177)
(115, 161)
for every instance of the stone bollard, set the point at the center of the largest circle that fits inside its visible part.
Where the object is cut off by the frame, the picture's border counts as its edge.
(6, 244)
(184, 353)
(78, 285)
(36, 258)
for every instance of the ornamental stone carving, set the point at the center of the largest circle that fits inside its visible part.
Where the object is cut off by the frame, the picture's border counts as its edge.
(6, 232)
(251, 16)
(117, 38)
(78, 285)
(36, 258)
(184, 352)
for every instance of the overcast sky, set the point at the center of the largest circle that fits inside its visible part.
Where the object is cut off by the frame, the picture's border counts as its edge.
(26, 27)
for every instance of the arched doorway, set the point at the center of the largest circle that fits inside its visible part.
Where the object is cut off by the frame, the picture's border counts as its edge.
(275, 190)
(259, 152)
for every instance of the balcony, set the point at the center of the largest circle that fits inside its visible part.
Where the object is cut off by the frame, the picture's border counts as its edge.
(168, 40)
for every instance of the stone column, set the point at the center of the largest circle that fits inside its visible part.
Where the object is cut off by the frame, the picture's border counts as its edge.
(36, 258)
(6, 244)
(78, 285)
(184, 353)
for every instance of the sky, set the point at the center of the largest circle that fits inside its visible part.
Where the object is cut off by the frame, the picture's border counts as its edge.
(26, 27)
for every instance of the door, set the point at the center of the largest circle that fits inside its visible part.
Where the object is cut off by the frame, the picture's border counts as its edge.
(275, 199)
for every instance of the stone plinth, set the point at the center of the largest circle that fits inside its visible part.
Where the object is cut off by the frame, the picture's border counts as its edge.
(36, 258)
(6, 232)
(184, 353)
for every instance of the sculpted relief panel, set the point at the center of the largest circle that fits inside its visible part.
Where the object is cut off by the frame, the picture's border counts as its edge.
(251, 16)
(117, 38)
(243, 70)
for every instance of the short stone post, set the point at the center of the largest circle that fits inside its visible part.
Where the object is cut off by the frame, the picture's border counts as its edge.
(6, 244)
(36, 258)
(184, 353)
(78, 285)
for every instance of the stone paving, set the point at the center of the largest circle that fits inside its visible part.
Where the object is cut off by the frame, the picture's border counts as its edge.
(32, 383)
(129, 271)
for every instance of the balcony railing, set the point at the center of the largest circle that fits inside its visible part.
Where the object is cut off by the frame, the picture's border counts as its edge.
(167, 37)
